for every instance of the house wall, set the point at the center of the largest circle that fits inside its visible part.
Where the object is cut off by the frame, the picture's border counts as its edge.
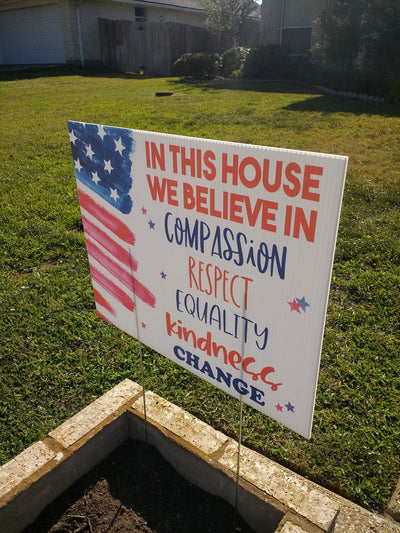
(84, 45)
(70, 31)
(271, 22)
(91, 11)
(31, 32)
(289, 23)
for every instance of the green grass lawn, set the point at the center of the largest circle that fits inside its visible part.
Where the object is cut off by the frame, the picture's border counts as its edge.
(55, 354)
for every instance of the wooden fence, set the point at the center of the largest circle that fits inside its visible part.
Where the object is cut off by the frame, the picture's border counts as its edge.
(150, 46)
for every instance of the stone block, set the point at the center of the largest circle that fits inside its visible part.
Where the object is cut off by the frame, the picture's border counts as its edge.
(23, 466)
(181, 423)
(281, 484)
(394, 504)
(95, 414)
(320, 509)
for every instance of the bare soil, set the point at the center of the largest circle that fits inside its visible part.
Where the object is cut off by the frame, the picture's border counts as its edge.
(136, 491)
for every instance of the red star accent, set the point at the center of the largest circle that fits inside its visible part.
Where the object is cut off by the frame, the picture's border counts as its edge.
(295, 306)
(143, 325)
(279, 407)
(144, 211)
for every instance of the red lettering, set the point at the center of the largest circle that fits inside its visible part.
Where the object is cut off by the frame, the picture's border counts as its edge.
(269, 216)
(211, 173)
(301, 222)
(252, 215)
(211, 348)
(217, 278)
(294, 180)
(209, 278)
(155, 157)
(234, 359)
(172, 192)
(188, 161)
(157, 188)
(192, 277)
(236, 208)
(288, 220)
(214, 212)
(147, 148)
(230, 169)
(278, 176)
(252, 162)
(201, 199)
(174, 151)
(309, 183)
(188, 197)
(208, 268)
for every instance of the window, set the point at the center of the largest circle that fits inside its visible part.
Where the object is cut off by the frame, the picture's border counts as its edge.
(297, 23)
(297, 40)
(140, 14)
(298, 13)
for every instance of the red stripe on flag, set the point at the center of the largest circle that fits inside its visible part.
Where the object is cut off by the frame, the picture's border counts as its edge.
(100, 300)
(107, 219)
(122, 275)
(111, 246)
(143, 293)
(112, 288)
(100, 315)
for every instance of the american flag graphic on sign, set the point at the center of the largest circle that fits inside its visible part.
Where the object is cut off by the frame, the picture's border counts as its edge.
(102, 158)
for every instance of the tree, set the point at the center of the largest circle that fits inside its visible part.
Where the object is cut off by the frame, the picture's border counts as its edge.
(226, 17)
(370, 28)
(383, 41)
(342, 22)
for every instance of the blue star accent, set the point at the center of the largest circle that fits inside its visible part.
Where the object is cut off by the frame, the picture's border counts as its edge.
(303, 303)
(151, 224)
(289, 407)
(163, 275)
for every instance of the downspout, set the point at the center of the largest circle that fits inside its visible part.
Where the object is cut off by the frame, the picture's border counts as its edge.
(281, 22)
(78, 3)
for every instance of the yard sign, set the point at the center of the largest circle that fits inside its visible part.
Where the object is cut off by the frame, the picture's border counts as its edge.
(217, 255)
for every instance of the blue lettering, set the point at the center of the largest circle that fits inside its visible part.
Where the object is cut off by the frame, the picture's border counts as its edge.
(240, 386)
(235, 247)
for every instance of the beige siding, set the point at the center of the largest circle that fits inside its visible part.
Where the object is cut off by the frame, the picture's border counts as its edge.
(70, 31)
(271, 20)
(92, 10)
(281, 17)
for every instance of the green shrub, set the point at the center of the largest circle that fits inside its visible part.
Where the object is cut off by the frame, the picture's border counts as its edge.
(267, 62)
(369, 82)
(393, 94)
(232, 61)
(197, 65)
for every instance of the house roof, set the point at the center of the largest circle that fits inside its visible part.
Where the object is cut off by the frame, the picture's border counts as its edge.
(185, 4)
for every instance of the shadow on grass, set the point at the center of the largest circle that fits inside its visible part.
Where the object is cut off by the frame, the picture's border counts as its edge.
(324, 103)
(270, 86)
(320, 103)
(21, 72)
(337, 104)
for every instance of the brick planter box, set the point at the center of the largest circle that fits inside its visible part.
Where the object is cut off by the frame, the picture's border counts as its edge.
(270, 497)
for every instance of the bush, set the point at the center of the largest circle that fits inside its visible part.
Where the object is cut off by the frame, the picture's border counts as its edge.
(368, 82)
(197, 65)
(393, 94)
(267, 62)
(232, 61)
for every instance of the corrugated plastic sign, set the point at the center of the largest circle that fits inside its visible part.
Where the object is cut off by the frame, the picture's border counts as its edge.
(217, 255)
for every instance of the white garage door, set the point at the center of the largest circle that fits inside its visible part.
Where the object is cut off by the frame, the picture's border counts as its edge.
(31, 36)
